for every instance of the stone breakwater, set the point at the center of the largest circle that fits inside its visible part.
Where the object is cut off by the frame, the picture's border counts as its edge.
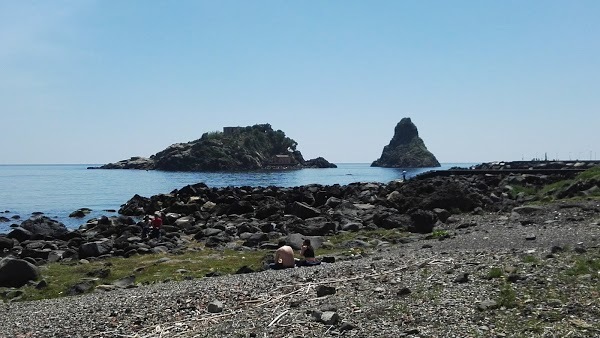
(532, 165)
(543, 168)
(256, 217)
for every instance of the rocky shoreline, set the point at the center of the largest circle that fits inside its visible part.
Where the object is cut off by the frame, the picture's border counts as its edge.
(498, 274)
(255, 217)
(477, 257)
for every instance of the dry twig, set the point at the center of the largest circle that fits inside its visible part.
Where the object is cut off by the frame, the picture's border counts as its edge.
(277, 318)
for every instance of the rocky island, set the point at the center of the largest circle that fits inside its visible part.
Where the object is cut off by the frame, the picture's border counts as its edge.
(234, 149)
(406, 149)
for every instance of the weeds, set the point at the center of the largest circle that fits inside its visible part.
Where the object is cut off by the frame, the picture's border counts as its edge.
(390, 235)
(507, 296)
(584, 266)
(592, 173)
(437, 234)
(495, 273)
(530, 259)
(520, 189)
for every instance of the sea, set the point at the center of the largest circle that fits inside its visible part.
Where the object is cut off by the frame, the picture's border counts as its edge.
(58, 190)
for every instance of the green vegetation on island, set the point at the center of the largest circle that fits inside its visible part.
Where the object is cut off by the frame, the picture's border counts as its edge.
(235, 148)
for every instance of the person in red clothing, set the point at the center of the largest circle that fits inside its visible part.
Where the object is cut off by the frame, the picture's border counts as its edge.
(156, 224)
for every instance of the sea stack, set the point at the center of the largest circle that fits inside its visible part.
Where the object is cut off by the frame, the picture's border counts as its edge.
(406, 149)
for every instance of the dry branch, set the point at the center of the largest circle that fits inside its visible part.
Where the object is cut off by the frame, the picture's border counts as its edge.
(277, 318)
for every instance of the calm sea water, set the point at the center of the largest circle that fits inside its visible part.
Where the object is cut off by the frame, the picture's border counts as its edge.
(58, 190)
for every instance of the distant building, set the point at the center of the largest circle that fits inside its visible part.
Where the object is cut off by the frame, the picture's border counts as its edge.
(231, 130)
(282, 160)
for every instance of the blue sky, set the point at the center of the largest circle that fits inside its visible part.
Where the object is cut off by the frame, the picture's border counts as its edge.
(100, 81)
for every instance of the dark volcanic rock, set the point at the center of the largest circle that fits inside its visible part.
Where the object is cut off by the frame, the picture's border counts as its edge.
(20, 234)
(95, 249)
(236, 148)
(79, 213)
(81, 287)
(6, 243)
(443, 193)
(319, 162)
(17, 272)
(423, 221)
(44, 226)
(135, 206)
(135, 162)
(303, 211)
(406, 149)
(316, 226)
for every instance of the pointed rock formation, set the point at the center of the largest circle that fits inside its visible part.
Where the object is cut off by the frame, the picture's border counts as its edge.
(406, 149)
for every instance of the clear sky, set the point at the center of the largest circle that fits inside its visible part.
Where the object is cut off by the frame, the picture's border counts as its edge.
(100, 81)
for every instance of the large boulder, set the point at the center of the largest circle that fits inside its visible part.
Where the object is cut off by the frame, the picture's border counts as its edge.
(44, 226)
(406, 149)
(17, 272)
(315, 226)
(136, 206)
(185, 222)
(423, 221)
(96, 248)
(392, 220)
(20, 234)
(35, 252)
(269, 209)
(303, 210)
(6, 243)
(240, 208)
(296, 241)
(256, 239)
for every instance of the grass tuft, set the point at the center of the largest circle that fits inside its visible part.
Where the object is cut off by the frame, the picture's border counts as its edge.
(495, 273)
(507, 296)
(530, 259)
(440, 234)
(584, 266)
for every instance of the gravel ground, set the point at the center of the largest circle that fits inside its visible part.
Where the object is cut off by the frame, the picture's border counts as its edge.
(497, 275)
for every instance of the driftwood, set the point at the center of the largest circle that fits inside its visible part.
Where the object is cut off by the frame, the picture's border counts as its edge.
(277, 318)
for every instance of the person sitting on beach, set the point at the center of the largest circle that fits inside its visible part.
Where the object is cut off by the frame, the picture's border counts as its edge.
(156, 224)
(308, 252)
(284, 257)
(145, 227)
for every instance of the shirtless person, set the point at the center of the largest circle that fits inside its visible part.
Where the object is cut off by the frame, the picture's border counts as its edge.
(284, 257)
